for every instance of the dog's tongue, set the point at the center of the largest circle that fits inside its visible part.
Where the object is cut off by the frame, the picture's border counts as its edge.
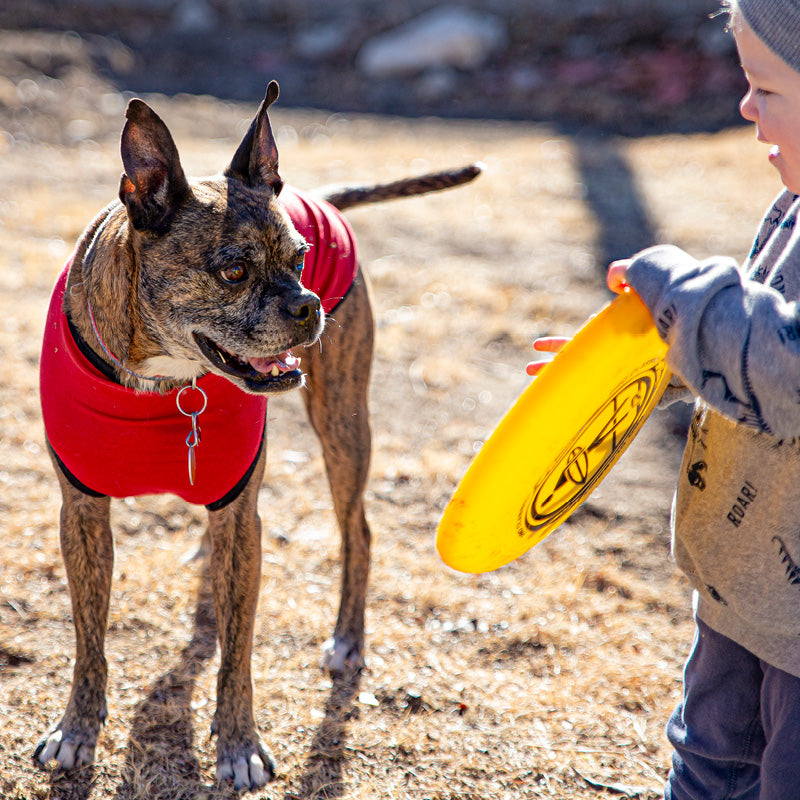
(275, 365)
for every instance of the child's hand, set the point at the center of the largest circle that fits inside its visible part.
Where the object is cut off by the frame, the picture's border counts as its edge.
(615, 277)
(547, 344)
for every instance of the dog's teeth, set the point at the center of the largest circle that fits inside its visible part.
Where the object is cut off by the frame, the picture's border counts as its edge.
(275, 371)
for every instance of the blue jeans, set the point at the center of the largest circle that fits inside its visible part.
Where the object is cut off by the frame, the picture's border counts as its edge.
(737, 732)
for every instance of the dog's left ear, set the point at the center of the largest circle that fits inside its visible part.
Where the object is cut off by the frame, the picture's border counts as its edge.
(256, 159)
(153, 183)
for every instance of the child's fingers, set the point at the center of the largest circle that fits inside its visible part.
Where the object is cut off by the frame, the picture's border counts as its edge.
(535, 367)
(549, 344)
(615, 277)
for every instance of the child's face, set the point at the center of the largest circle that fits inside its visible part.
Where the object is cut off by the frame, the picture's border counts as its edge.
(772, 102)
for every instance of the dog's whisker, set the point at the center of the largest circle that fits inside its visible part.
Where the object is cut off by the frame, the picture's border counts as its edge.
(328, 337)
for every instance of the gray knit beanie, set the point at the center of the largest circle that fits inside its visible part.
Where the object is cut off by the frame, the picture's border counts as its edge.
(777, 24)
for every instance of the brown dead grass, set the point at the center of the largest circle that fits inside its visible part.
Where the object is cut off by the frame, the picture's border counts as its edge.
(551, 677)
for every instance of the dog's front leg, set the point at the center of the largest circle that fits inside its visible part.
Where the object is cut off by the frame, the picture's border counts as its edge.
(88, 552)
(235, 533)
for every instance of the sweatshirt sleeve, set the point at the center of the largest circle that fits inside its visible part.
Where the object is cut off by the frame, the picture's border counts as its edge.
(733, 341)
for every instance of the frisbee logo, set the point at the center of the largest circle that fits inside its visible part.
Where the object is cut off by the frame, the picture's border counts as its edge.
(589, 456)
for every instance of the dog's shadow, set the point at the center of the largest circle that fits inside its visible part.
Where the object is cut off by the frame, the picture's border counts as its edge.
(160, 760)
(322, 776)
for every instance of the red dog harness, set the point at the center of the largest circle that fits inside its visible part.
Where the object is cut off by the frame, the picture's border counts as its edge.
(110, 440)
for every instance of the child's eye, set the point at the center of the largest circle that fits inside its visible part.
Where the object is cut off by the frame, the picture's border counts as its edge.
(762, 92)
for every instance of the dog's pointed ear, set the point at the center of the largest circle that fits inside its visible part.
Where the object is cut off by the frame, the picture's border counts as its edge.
(153, 184)
(256, 159)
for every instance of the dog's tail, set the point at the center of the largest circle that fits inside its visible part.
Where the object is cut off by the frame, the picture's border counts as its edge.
(350, 196)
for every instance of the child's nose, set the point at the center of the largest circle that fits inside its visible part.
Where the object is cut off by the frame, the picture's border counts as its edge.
(747, 107)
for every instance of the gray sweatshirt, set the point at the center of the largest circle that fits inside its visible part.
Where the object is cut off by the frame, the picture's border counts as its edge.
(734, 336)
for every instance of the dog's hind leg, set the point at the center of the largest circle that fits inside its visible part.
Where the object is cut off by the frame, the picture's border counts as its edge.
(88, 552)
(235, 533)
(338, 373)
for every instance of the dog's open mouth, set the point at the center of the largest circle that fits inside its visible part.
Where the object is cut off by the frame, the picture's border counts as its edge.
(262, 374)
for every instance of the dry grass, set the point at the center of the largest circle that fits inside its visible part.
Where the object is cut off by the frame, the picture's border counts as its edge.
(552, 677)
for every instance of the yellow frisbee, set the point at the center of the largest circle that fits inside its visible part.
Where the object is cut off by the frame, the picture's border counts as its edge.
(558, 441)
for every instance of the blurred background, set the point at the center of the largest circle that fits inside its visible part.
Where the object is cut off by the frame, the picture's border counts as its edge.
(633, 67)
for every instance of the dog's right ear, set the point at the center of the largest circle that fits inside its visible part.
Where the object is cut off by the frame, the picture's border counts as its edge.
(256, 159)
(153, 183)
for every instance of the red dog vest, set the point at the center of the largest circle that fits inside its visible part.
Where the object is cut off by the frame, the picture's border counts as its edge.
(110, 440)
(331, 263)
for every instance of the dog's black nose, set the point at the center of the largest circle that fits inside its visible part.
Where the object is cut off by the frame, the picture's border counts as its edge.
(305, 308)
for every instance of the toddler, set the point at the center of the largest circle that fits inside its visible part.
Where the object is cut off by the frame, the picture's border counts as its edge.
(734, 337)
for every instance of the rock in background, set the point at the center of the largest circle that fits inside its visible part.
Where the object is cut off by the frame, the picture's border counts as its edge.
(628, 66)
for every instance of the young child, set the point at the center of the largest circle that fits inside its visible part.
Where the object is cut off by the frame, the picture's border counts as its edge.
(734, 336)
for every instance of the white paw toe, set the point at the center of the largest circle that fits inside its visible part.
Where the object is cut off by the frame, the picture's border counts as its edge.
(246, 773)
(341, 655)
(66, 751)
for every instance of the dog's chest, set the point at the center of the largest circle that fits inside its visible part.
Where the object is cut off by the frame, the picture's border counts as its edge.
(121, 443)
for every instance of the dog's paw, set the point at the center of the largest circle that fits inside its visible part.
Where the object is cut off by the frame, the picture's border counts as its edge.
(341, 655)
(247, 770)
(68, 750)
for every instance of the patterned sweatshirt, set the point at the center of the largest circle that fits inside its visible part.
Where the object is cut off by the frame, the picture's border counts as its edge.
(734, 336)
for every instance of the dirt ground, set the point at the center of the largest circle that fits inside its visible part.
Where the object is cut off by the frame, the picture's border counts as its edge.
(551, 677)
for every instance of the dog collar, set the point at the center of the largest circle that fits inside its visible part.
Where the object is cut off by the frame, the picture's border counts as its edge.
(117, 363)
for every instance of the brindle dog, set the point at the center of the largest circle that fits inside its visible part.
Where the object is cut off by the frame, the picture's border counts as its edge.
(184, 278)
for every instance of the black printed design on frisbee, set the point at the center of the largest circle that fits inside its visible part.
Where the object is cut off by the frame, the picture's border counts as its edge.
(587, 458)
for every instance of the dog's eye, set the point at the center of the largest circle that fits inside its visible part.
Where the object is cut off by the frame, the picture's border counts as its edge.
(236, 273)
(301, 259)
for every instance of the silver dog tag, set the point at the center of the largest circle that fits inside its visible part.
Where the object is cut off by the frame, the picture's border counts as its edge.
(193, 439)
(192, 465)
